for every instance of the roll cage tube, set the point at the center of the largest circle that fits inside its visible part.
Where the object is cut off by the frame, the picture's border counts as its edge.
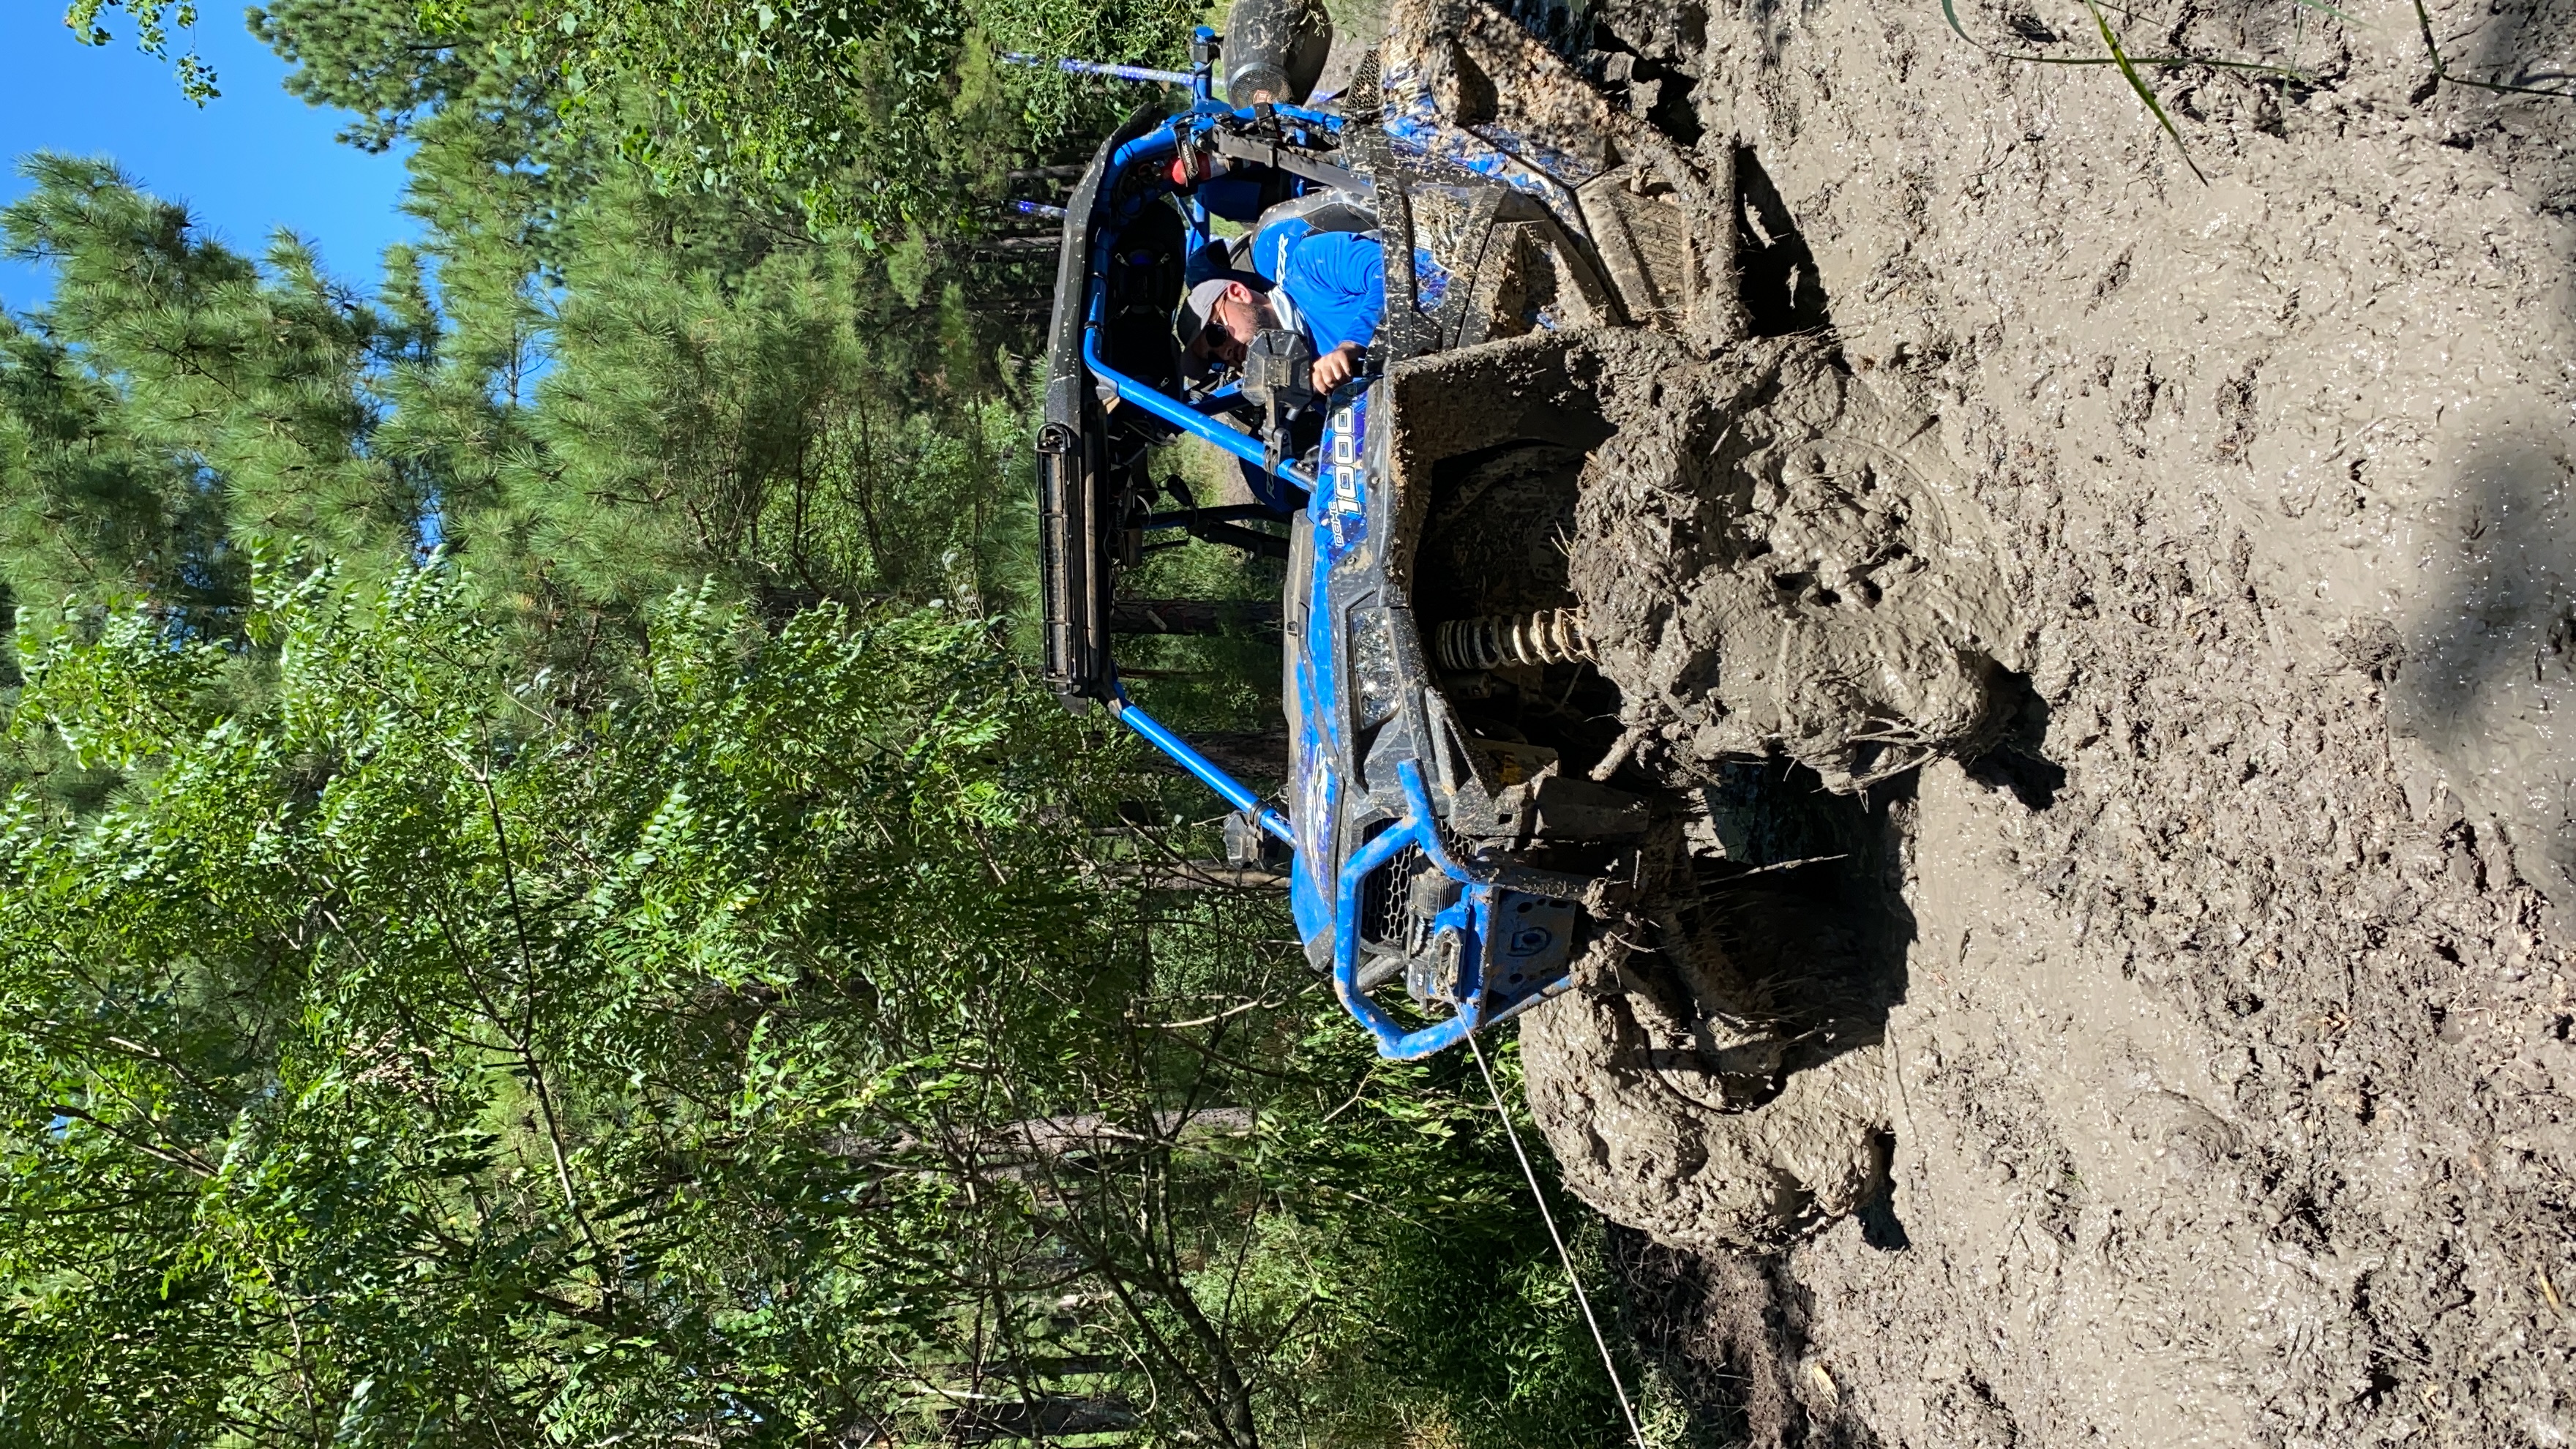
(1107, 69)
(1165, 139)
(1200, 77)
(1203, 120)
(1237, 794)
(1154, 146)
(1180, 415)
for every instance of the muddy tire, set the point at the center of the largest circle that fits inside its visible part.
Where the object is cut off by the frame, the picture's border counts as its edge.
(1626, 1103)
(1500, 526)
(1717, 1083)
(1776, 562)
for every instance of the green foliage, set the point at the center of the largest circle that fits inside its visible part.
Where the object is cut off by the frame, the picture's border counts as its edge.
(395, 63)
(615, 394)
(88, 507)
(152, 21)
(775, 421)
(875, 118)
(423, 1057)
(1206, 683)
(1430, 1301)
(599, 386)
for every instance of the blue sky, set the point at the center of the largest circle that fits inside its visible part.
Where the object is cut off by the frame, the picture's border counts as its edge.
(252, 160)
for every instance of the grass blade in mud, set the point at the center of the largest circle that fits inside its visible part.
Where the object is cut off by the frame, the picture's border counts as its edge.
(2138, 83)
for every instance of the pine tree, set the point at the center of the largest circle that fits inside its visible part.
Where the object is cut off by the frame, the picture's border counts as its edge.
(90, 510)
(618, 390)
(175, 404)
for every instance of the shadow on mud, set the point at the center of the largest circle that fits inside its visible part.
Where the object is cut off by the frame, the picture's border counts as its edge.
(1724, 1338)
(1782, 289)
(2516, 48)
(2015, 762)
(1802, 892)
(2492, 651)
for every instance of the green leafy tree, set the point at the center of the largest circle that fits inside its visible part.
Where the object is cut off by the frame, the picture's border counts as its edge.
(448, 1064)
(399, 64)
(781, 421)
(881, 120)
(771, 1057)
(153, 21)
(173, 401)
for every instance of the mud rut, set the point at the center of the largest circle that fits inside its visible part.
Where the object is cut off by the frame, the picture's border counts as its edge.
(2176, 1048)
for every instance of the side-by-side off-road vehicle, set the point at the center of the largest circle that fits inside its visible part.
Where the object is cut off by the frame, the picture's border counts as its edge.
(1449, 835)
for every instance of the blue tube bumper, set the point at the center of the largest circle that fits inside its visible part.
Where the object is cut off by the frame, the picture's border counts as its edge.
(1467, 930)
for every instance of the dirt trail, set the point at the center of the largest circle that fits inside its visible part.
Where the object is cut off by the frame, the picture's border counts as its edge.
(2225, 1062)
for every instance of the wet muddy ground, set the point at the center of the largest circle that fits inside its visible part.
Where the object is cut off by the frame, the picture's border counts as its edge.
(2216, 1079)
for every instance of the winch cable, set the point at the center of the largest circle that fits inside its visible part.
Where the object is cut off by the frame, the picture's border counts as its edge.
(1571, 1277)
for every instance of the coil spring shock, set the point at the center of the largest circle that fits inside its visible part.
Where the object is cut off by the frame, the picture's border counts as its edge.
(1550, 636)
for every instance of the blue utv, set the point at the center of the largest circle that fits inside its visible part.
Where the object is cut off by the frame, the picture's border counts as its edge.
(1450, 837)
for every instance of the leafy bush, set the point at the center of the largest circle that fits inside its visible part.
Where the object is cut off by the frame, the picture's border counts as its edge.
(775, 1051)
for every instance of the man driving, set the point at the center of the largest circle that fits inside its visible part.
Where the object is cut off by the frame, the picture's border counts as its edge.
(1329, 285)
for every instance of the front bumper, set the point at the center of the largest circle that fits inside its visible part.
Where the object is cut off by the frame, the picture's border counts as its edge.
(1384, 882)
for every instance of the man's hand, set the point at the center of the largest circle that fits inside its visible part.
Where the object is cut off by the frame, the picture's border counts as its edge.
(1335, 367)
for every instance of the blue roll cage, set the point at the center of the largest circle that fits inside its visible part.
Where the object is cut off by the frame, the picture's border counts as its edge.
(1163, 143)
(1488, 893)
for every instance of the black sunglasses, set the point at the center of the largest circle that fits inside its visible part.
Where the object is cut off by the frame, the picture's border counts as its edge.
(1212, 333)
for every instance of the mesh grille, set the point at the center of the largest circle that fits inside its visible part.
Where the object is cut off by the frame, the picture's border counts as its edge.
(1383, 895)
(1361, 96)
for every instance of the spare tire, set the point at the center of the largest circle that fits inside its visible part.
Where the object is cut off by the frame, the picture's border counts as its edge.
(1275, 50)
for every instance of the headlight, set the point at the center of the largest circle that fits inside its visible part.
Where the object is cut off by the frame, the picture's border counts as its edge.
(1374, 684)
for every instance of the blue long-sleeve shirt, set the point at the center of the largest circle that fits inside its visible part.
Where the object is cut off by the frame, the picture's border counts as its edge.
(1335, 280)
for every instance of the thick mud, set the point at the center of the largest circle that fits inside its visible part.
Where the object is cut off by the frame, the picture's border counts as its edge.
(2213, 1082)
(1776, 562)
